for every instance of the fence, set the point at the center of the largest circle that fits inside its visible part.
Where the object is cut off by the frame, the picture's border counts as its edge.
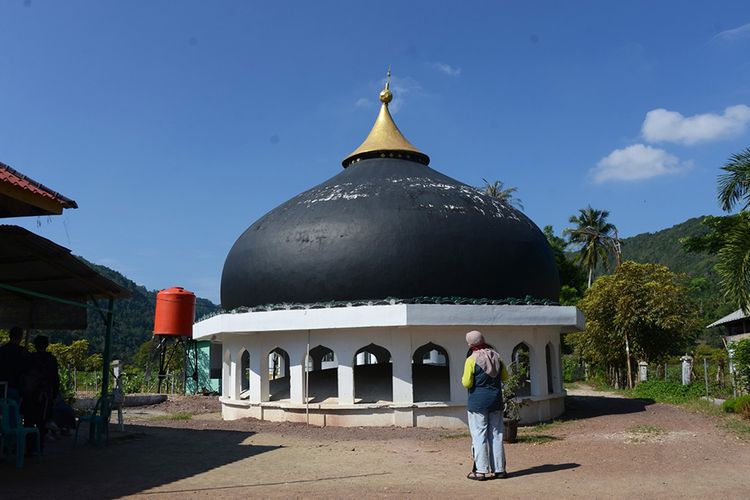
(713, 375)
(91, 382)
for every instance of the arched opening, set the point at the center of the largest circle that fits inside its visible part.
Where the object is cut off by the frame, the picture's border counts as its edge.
(550, 368)
(322, 372)
(278, 374)
(430, 374)
(245, 375)
(521, 365)
(373, 374)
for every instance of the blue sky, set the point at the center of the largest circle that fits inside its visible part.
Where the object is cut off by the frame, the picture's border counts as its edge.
(175, 125)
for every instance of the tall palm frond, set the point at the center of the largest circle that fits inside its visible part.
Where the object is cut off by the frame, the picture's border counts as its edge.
(735, 184)
(498, 190)
(594, 237)
(733, 263)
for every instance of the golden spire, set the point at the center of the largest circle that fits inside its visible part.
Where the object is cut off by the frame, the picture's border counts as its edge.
(385, 139)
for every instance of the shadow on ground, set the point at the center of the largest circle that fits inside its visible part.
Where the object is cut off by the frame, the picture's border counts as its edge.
(541, 469)
(578, 407)
(144, 458)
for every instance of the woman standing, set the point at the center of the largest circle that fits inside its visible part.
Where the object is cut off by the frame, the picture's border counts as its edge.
(483, 376)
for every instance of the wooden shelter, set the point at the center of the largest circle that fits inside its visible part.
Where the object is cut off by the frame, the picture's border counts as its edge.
(42, 284)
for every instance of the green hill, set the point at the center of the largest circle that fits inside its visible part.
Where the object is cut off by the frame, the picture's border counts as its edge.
(133, 319)
(664, 247)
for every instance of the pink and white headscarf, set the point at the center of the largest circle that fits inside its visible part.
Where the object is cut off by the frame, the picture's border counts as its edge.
(486, 357)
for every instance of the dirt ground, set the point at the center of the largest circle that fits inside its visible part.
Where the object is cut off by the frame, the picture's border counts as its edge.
(605, 447)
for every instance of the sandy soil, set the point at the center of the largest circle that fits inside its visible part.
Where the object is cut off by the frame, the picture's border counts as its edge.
(606, 447)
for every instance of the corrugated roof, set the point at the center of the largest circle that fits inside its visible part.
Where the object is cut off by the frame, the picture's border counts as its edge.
(37, 265)
(22, 196)
(735, 316)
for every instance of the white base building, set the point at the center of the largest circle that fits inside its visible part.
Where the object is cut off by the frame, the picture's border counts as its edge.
(381, 365)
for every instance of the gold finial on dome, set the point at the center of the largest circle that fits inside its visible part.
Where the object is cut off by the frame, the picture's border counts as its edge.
(385, 139)
(386, 95)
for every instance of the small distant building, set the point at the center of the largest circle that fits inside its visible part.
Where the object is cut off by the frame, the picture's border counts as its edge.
(349, 303)
(205, 378)
(734, 326)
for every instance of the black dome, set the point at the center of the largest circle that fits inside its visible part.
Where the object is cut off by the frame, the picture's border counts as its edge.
(388, 227)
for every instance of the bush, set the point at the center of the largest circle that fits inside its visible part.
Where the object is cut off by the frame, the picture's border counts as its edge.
(572, 370)
(743, 406)
(739, 405)
(668, 392)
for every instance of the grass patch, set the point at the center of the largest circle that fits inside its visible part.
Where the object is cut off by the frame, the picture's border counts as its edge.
(737, 425)
(666, 392)
(571, 385)
(536, 438)
(180, 415)
(651, 430)
(543, 426)
(458, 435)
(535, 434)
(645, 433)
(703, 406)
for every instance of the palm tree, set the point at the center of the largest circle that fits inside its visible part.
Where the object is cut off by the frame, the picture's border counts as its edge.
(595, 239)
(735, 184)
(734, 256)
(498, 190)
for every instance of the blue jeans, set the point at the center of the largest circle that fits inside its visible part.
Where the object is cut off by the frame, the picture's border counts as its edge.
(487, 441)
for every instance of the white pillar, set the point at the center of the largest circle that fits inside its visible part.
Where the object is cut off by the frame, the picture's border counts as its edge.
(642, 371)
(346, 384)
(687, 367)
(297, 383)
(258, 373)
(456, 360)
(226, 371)
(401, 355)
(537, 368)
(236, 370)
(434, 357)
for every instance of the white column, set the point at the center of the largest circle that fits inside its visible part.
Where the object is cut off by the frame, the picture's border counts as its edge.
(346, 384)
(236, 382)
(226, 372)
(434, 357)
(538, 362)
(401, 355)
(258, 373)
(456, 360)
(346, 376)
(687, 368)
(297, 383)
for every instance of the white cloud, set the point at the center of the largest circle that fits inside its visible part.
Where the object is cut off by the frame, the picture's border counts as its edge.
(734, 34)
(447, 69)
(402, 88)
(635, 163)
(362, 102)
(662, 125)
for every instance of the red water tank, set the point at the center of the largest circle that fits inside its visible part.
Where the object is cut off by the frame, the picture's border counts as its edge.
(175, 312)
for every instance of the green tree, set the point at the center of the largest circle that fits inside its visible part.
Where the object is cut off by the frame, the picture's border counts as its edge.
(640, 309)
(594, 238)
(729, 238)
(498, 190)
(572, 278)
(734, 185)
(741, 360)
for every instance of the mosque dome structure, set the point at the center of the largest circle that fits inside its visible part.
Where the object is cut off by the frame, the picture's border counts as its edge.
(350, 300)
(388, 225)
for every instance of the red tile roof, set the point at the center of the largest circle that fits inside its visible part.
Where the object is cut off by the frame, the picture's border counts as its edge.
(12, 177)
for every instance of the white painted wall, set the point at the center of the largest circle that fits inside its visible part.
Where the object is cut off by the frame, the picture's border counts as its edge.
(400, 340)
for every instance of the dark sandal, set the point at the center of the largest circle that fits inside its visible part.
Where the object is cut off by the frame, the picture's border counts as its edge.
(499, 475)
(476, 476)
